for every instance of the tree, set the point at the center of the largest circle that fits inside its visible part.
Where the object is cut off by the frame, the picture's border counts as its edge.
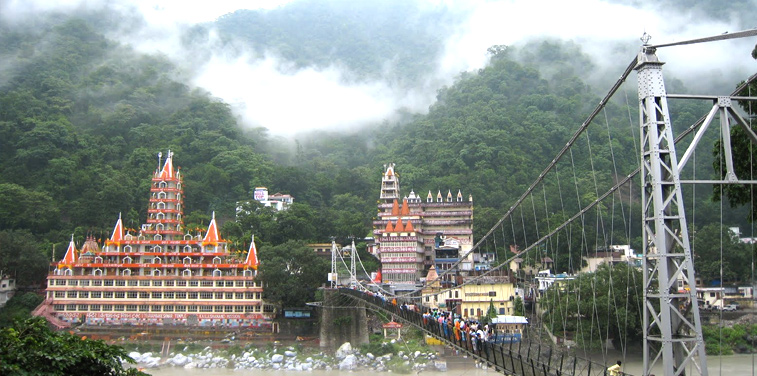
(31, 348)
(491, 313)
(19, 307)
(23, 208)
(519, 308)
(291, 273)
(716, 248)
(597, 305)
(20, 256)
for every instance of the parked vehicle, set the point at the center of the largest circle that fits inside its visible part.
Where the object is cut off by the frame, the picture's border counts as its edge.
(729, 307)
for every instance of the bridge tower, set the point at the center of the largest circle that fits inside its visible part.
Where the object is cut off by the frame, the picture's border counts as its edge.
(670, 336)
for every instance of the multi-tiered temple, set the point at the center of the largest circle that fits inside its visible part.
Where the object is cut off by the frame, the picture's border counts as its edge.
(416, 234)
(160, 275)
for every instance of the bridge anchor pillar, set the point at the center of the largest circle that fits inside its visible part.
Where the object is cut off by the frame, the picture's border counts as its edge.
(341, 323)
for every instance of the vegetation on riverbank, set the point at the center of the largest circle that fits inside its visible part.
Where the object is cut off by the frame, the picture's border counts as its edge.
(727, 340)
(31, 348)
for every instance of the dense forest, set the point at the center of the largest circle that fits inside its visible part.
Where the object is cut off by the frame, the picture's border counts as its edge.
(82, 118)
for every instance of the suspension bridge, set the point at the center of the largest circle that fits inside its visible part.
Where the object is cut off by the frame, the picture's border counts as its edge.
(594, 211)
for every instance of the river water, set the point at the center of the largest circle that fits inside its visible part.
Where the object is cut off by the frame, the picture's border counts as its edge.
(734, 365)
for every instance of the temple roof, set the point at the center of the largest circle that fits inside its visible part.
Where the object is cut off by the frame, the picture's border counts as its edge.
(389, 227)
(390, 170)
(432, 278)
(405, 209)
(118, 233)
(409, 227)
(90, 247)
(70, 257)
(252, 256)
(395, 207)
(167, 172)
(212, 237)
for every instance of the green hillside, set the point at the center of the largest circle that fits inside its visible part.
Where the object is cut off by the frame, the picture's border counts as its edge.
(82, 118)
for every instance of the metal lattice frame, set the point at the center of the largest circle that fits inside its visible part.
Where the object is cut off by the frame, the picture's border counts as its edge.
(672, 337)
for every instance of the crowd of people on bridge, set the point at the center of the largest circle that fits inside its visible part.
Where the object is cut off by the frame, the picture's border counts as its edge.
(461, 330)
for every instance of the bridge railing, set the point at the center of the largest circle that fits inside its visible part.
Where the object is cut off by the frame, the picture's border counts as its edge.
(523, 358)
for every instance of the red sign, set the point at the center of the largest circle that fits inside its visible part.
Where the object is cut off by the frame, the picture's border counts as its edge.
(135, 315)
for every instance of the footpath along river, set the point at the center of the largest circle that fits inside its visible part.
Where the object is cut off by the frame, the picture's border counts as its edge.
(734, 365)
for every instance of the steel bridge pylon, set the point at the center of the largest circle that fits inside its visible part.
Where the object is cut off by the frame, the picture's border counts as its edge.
(670, 337)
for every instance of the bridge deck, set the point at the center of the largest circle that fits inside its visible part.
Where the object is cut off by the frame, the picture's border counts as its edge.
(523, 358)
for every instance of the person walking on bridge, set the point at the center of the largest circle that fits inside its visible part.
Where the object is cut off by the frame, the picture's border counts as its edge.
(614, 370)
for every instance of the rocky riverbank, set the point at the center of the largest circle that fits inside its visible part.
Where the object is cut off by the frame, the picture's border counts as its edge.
(346, 358)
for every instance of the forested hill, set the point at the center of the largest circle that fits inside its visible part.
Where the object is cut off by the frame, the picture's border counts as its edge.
(394, 40)
(83, 117)
(81, 121)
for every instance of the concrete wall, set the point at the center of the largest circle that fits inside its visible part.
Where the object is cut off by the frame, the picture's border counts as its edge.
(342, 320)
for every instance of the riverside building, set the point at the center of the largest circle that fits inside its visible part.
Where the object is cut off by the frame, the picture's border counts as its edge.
(160, 275)
(418, 234)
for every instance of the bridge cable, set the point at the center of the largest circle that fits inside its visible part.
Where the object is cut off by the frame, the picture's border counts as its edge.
(724, 36)
(612, 232)
(751, 196)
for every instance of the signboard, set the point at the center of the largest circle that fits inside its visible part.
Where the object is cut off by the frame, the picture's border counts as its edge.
(260, 194)
(297, 314)
(134, 315)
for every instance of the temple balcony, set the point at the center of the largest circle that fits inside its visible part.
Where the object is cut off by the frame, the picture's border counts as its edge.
(164, 210)
(166, 200)
(166, 189)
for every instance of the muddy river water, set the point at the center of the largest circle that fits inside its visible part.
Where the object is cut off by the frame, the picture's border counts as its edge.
(734, 365)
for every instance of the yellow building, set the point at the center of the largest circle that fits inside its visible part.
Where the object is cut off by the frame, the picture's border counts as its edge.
(476, 297)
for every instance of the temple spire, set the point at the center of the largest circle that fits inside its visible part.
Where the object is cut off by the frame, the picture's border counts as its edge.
(212, 237)
(409, 226)
(405, 208)
(389, 228)
(118, 233)
(167, 172)
(252, 256)
(70, 258)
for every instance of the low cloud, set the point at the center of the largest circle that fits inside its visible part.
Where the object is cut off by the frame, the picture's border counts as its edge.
(608, 32)
(268, 91)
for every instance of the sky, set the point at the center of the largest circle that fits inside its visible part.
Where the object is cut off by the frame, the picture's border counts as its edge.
(291, 100)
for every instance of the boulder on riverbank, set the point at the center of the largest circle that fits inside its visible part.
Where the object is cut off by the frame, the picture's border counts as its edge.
(346, 358)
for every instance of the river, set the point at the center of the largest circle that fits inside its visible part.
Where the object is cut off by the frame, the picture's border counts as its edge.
(734, 365)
